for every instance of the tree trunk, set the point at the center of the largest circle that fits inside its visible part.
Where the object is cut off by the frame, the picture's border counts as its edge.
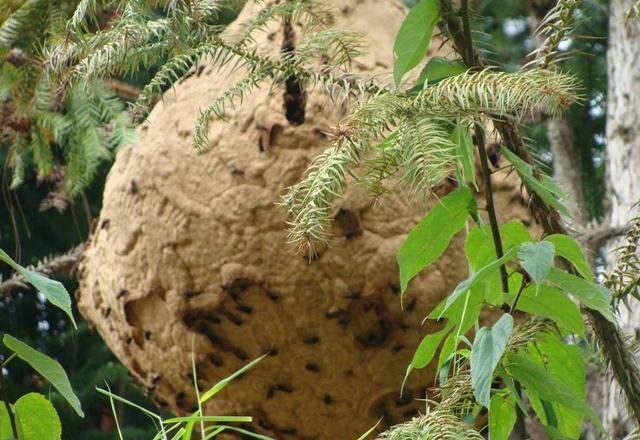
(623, 174)
(567, 168)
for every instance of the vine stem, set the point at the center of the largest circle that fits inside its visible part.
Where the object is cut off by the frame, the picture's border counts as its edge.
(520, 430)
(515, 301)
(472, 60)
(5, 399)
(625, 368)
(491, 209)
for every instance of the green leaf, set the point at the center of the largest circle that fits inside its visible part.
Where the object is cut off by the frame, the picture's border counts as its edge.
(412, 41)
(5, 423)
(386, 143)
(448, 349)
(461, 137)
(514, 233)
(502, 417)
(223, 419)
(541, 384)
(554, 355)
(570, 250)
(36, 418)
(546, 189)
(370, 431)
(48, 368)
(555, 434)
(53, 290)
(592, 295)
(478, 277)
(461, 324)
(550, 413)
(537, 259)
(431, 237)
(480, 251)
(427, 348)
(551, 303)
(487, 350)
(439, 68)
(224, 382)
(460, 317)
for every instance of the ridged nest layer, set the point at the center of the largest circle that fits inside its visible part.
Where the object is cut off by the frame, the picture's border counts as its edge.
(194, 246)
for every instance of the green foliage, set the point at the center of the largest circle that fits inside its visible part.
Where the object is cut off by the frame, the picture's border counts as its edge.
(413, 37)
(550, 303)
(36, 418)
(569, 249)
(53, 290)
(502, 417)
(509, 269)
(431, 237)
(183, 427)
(543, 187)
(67, 135)
(32, 416)
(188, 34)
(6, 431)
(555, 356)
(439, 68)
(591, 295)
(488, 347)
(421, 146)
(476, 279)
(536, 259)
(461, 136)
(540, 383)
(48, 368)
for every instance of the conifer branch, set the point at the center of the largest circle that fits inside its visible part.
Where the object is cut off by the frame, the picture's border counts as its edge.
(554, 28)
(420, 145)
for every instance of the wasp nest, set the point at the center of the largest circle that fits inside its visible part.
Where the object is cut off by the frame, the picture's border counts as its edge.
(194, 247)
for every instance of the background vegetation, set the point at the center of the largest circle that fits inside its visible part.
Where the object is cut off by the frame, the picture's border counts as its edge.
(31, 234)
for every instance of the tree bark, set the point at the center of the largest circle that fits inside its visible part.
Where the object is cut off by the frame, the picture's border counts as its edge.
(622, 175)
(567, 169)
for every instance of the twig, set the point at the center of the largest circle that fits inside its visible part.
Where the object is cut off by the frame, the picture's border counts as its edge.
(597, 235)
(60, 263)
(123, 89)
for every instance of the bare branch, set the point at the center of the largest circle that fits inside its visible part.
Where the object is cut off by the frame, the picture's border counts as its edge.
(64, 263)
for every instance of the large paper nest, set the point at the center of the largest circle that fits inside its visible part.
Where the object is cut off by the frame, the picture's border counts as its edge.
(193, 247)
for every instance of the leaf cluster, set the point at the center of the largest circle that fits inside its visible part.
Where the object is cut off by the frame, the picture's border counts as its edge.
(64, 137)
(186, 34)
(418, 134)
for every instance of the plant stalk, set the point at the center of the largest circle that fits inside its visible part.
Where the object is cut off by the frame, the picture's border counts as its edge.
(465, 46)
(491, 209)
(5, 399)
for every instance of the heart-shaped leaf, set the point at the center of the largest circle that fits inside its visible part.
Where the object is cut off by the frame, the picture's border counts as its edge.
(537, 259)
(487, 350)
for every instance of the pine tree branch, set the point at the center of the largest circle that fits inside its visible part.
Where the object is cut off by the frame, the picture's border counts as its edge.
(123, 89)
